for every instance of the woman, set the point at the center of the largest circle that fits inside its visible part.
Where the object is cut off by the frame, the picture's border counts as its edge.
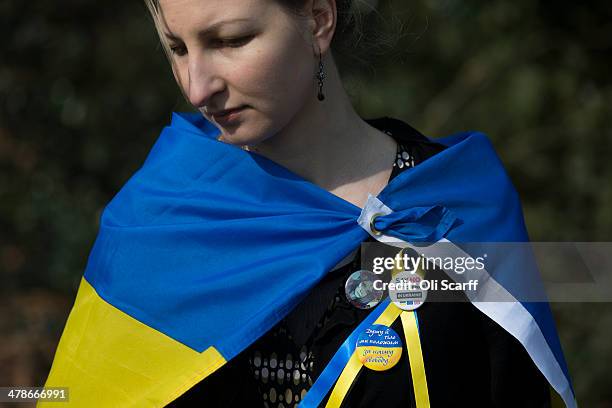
(263, 72)
(251, 65)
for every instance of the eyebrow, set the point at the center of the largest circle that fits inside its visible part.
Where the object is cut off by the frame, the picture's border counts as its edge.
(207, 31)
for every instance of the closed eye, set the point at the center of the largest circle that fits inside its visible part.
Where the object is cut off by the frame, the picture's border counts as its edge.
(232, 42)
(180, 50)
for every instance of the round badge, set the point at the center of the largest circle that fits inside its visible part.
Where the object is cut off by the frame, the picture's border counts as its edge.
(379, 347)
(360, 291)
(407, 290)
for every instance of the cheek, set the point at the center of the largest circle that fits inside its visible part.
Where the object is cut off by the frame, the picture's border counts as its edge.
(280, 78)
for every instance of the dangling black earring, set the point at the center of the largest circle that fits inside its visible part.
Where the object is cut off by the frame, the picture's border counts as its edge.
(320, 76)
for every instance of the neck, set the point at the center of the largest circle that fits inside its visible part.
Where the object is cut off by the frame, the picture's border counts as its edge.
(328, 144)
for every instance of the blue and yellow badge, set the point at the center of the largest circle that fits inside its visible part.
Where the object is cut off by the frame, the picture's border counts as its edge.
(379, 347)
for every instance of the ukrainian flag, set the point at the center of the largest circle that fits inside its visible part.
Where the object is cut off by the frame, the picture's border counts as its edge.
(208, 246)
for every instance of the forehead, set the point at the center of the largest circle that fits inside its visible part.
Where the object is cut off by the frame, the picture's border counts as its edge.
(182, 16)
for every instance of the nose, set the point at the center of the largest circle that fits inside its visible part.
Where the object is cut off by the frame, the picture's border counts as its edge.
(202, 81)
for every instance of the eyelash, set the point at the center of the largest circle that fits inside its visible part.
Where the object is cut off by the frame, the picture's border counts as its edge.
(231, 43)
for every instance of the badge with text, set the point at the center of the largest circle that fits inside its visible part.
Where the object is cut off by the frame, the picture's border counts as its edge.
(379, 347)
(408, 290)
(360, 290)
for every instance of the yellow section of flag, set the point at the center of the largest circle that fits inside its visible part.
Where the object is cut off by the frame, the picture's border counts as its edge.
(107, 358)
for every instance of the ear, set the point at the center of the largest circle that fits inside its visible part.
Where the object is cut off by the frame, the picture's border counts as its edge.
(324, 16)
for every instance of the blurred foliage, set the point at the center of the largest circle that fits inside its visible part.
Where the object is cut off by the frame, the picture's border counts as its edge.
(85, 89)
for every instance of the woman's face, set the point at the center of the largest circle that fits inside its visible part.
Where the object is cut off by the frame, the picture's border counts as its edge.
(260, 61)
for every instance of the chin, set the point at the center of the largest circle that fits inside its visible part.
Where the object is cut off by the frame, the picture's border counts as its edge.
(244, 134)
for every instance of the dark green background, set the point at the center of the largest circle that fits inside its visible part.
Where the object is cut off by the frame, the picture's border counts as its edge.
(85, 89)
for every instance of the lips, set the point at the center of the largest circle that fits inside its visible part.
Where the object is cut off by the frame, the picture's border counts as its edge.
(226, 112)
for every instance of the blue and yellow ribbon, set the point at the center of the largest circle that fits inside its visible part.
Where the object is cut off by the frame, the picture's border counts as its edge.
(345, 364)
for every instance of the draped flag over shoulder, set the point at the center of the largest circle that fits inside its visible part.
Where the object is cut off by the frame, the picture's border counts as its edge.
(208, 246)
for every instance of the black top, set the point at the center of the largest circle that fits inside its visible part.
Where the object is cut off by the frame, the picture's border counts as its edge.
(469, 359)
